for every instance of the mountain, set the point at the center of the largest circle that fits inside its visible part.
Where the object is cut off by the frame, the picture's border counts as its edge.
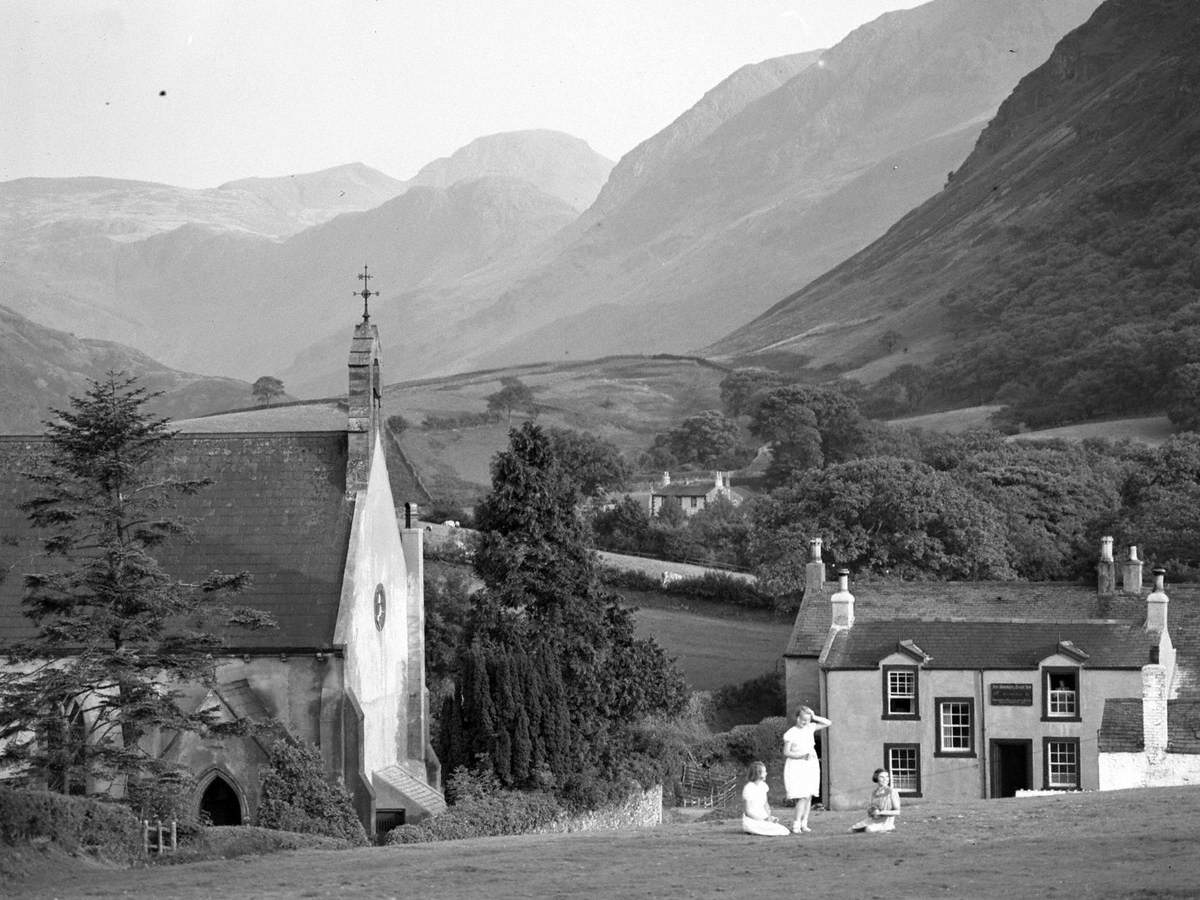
(558, 164)
(781, 190)
(1057, 271)
(229, 303)
(316, 197)
(230, 280)
(40, 368)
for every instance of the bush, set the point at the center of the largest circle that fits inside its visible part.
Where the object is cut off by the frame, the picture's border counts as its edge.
(505, 812)
(750, 701)
(296, 796)
(103, 828)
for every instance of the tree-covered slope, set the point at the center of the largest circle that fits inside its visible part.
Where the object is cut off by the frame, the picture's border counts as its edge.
(1058, 269)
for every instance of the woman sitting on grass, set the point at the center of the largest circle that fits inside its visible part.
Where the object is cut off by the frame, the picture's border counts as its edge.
(882, 807)
(756, 811)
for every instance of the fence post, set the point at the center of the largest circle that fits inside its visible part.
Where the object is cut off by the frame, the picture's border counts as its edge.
(174, 842)
(146, 836)
(158, 822)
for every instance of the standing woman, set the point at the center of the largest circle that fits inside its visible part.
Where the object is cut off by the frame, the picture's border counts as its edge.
(801, 768)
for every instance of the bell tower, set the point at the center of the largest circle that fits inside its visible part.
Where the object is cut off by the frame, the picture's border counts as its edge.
(365, 396)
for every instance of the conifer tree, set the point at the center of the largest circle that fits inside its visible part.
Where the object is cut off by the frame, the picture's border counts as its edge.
(543, 610)
(114, 634)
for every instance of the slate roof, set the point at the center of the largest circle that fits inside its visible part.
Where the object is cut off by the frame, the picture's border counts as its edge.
(960, 644)
(1121, 726)
(995, 601)
(685, 489)
(276, 509)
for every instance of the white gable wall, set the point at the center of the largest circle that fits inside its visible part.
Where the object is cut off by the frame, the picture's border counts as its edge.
(376, 670)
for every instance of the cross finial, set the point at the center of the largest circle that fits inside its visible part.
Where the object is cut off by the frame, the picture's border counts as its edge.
(366, 293)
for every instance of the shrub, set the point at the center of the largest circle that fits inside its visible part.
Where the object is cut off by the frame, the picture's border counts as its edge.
(296, 796)
(750, 701)
(76, 824)
(744, 743)
(505, 812)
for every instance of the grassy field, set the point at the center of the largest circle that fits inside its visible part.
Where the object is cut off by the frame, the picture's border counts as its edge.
(712, 645)
(1120, 844)
(625, 400)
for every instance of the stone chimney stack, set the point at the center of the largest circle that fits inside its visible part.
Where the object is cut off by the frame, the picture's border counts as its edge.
(1156, 604)
(364, 415)
(1131, 572)
(666, 479)
(1106, 569)
(719, 480)
(814, 571)
(843, 602)
(1154, 712)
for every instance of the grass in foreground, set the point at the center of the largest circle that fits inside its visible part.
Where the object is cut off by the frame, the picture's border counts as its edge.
(1116, 844)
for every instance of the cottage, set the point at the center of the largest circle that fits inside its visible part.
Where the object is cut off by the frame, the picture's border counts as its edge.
(692, 496)
(311, 516)
(969, 690)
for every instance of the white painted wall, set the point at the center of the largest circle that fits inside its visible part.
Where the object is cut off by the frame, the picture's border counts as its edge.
(376, 670)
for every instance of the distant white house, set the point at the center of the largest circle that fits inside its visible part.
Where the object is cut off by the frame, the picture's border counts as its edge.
(693, 495)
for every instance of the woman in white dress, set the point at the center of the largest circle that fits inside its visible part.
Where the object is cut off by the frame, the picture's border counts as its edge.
(801, 767)
(756, 811)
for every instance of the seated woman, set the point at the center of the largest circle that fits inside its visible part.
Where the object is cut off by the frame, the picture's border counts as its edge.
(756, 811)
(883, 807)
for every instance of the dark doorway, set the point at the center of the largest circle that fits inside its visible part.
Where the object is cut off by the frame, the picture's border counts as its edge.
(1012, 767)
(220, 803)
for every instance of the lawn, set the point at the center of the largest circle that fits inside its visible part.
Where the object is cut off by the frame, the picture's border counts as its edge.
(1121, 844)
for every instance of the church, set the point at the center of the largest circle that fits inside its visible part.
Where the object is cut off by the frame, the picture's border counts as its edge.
(311, 516)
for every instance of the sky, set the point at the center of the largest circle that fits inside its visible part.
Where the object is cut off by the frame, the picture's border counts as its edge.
(194, 93)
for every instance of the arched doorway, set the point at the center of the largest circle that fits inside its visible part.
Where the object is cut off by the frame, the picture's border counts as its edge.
(220, 803)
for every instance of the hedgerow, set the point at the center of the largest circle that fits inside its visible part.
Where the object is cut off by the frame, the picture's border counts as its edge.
(76, 824)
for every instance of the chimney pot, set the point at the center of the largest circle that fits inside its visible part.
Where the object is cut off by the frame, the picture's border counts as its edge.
(842, 602)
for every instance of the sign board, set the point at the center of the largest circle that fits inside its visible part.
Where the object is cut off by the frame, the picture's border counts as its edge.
(1012, 694)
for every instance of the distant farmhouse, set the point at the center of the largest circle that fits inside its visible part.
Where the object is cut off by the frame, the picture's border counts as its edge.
(985, 689)
(692, 495)
(311, 516)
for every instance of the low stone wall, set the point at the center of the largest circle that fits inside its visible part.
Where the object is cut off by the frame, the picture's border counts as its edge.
(642, 809)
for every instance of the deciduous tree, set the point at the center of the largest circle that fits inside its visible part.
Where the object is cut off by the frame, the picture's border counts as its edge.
(266, 389)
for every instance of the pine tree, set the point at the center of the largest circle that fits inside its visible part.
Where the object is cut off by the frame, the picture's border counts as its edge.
(114, 632)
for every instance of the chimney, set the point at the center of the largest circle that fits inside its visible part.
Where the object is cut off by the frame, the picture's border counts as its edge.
(1154, 712)
(1106, 569)
(1156, 604)
(1131, 572)
(843, 602)
(364, 413)
(718, 480)
(814, 572)
(666, 479)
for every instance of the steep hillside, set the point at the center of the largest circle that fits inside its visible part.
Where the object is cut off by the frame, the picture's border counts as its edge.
(789, 186)
(559, 164)
(1057, 270)
(41, 368)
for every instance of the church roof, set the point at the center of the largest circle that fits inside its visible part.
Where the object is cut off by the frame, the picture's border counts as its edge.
(276, 509)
